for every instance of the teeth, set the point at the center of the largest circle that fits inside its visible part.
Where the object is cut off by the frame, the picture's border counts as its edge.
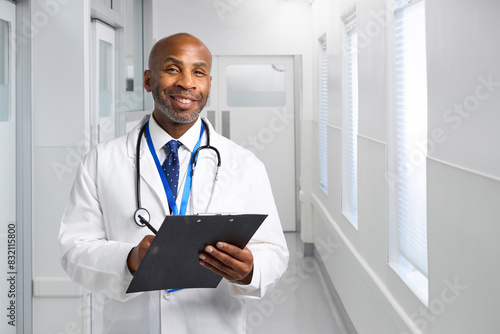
(183, 100)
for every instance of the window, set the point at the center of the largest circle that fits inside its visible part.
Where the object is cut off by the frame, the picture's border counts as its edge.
(105, 81)
(323, 115)
(132, 99)
(407, 157)
(350, 126)
(107, 3)
(4, 72)
(102, 120)
(256, 85)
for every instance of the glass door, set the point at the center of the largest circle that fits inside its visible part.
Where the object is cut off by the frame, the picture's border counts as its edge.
(252, 103)
(9, 294)
(103, 83)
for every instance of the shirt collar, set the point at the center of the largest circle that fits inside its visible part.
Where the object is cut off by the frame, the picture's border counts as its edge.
(160, 137)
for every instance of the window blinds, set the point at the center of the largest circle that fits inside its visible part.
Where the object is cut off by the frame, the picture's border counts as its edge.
(411, 130)
(351, 133)
(323, 118)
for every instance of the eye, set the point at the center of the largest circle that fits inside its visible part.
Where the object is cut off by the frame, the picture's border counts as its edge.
(171, 70)
(199, 73)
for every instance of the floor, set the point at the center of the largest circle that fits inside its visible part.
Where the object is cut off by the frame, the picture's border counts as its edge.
(300, 303)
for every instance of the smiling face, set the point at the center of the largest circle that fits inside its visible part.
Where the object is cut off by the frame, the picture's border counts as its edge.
(179, 79)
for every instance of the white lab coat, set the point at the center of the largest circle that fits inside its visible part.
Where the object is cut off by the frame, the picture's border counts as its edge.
(97, 233)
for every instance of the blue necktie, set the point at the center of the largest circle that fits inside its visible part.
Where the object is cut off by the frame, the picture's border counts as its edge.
(171, 166)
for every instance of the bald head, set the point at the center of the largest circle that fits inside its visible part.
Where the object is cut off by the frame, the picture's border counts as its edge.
(179, 80)
(181, 42)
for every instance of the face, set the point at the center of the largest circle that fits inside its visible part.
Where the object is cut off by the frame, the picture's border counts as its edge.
(179, 79)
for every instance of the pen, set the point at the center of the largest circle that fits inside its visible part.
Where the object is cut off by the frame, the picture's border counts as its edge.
(145, 222)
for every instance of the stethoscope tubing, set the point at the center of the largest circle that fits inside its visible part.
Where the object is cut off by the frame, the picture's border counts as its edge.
(138, 166)
(141, 215)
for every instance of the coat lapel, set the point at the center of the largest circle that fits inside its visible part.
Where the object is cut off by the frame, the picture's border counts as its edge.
(207, 195)
(149, 173)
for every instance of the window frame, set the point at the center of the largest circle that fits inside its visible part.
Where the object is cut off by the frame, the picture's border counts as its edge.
(350, 123)
(414, 278)
(323, 112)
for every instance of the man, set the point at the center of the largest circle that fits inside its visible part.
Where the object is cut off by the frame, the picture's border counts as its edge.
(102, 247)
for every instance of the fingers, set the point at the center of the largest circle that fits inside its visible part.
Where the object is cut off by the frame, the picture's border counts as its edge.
(144, 245)
(231, 262)
(137, 253)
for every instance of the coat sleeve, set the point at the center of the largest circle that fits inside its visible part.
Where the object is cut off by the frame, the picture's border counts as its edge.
(89, 259)
(268, 245)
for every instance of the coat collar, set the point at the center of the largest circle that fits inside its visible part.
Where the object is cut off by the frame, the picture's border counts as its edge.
(149, 173)
(132, 137)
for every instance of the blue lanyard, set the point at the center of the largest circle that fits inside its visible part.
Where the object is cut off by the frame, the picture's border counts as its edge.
(166, 187)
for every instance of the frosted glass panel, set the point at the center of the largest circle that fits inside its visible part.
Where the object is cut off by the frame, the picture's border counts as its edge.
(107, 3)
(133, 97)
(105, 78)
(4, 72)
(256, 85)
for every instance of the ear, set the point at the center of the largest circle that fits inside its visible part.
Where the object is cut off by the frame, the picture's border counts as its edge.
(147, 80)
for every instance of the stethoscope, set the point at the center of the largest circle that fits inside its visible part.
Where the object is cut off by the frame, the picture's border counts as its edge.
(141, 215)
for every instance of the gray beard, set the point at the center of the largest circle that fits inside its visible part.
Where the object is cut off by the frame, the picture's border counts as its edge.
(167, 111)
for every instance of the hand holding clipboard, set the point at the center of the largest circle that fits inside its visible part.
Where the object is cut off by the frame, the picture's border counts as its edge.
(172, 260)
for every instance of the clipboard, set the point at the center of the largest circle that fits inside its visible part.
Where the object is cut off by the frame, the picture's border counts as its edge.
(172, 262)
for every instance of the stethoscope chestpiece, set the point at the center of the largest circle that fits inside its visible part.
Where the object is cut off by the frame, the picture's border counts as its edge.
(141, 213)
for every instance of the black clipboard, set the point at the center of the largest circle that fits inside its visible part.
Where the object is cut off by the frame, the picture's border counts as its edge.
(172, 262)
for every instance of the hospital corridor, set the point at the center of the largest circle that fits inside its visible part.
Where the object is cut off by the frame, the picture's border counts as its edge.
(301, 302)
(249, 166)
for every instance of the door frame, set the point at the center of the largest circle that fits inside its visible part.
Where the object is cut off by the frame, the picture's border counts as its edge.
(297, 105)
(24, 139)
(209, 112)
(102, 125)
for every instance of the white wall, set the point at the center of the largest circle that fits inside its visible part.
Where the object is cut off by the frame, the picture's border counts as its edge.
(257, 27)
(269, 27)
(464, 83)
(463, 169)
(60, 121)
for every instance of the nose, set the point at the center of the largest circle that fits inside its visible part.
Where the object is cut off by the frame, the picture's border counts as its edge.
(185, 81)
